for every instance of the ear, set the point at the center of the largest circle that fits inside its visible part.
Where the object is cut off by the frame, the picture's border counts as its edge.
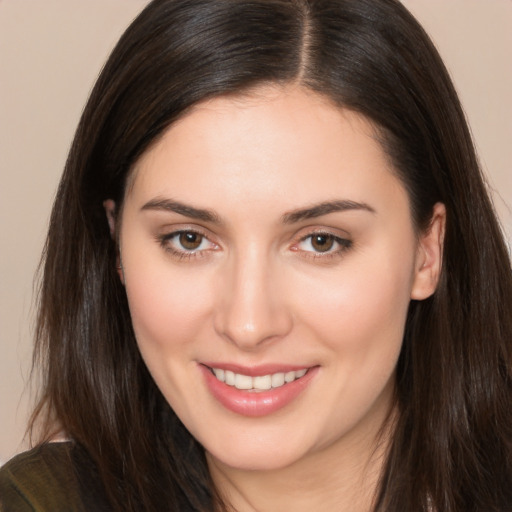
(110, 210)
(429, 256)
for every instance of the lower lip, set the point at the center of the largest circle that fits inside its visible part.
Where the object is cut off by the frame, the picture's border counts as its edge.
(256, 403)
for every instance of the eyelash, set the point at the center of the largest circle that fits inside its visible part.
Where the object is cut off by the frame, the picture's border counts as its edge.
(183, 254)
(343, 244)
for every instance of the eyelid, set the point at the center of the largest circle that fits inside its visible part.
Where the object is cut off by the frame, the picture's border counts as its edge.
(343, 240)
(168, 230)
(166, 236)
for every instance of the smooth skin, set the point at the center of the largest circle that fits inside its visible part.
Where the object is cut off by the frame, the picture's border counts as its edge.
(225, 257)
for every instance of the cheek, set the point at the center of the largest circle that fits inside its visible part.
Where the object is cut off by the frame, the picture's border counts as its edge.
(359, 319)
(359, 314)
(167, 307)
(360, 299)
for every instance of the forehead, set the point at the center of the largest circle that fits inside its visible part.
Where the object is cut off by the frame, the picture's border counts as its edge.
(267, 142)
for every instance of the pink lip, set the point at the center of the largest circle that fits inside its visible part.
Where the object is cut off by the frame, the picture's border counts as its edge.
(259, 403)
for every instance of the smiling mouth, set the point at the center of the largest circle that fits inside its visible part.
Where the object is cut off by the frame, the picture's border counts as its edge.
(259, 383)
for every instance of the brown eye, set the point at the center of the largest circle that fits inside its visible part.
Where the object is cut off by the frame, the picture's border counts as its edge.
(187, 244)
(322, 243)
(190, 240)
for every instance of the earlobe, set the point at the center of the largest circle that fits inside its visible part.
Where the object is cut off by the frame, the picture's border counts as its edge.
(429, 256)
(110, 211)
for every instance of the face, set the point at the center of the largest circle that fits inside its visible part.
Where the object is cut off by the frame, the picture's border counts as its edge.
(269, 258)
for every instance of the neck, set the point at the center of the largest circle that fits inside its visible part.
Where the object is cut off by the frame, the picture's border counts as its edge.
(342, 477)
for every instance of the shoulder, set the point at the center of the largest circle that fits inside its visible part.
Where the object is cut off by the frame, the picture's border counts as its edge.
(47, 478)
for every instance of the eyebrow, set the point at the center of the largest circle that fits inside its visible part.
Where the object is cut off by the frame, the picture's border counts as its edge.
(292, 217)
(324, 208)
(170, 205)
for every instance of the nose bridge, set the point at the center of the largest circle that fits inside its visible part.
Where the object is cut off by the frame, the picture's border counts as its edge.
(251, 308)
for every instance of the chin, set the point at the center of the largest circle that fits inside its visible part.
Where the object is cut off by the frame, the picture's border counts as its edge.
(257, 454)
(253, 462)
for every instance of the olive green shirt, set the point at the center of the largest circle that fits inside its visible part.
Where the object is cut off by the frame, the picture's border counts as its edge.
(55, 477)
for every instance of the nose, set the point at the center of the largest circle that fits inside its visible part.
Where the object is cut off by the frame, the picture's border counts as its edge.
(251, 305)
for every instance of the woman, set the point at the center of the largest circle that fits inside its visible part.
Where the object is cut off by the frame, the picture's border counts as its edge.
(273, 277)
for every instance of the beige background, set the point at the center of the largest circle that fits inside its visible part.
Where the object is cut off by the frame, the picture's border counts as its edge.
(50, 53)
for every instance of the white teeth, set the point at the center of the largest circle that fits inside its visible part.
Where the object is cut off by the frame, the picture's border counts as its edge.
(243, 381)
(229, 378)
(277, 380)
(260, 383)
(219, 373)
(289, 377)
(263, 383)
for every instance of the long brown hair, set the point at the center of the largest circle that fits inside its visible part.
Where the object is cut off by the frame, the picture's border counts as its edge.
(451, 449)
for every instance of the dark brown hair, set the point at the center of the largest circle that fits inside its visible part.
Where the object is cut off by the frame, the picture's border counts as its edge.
(451, 449)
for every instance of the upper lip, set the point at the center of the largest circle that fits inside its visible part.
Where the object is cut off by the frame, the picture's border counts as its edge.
(257, 370)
